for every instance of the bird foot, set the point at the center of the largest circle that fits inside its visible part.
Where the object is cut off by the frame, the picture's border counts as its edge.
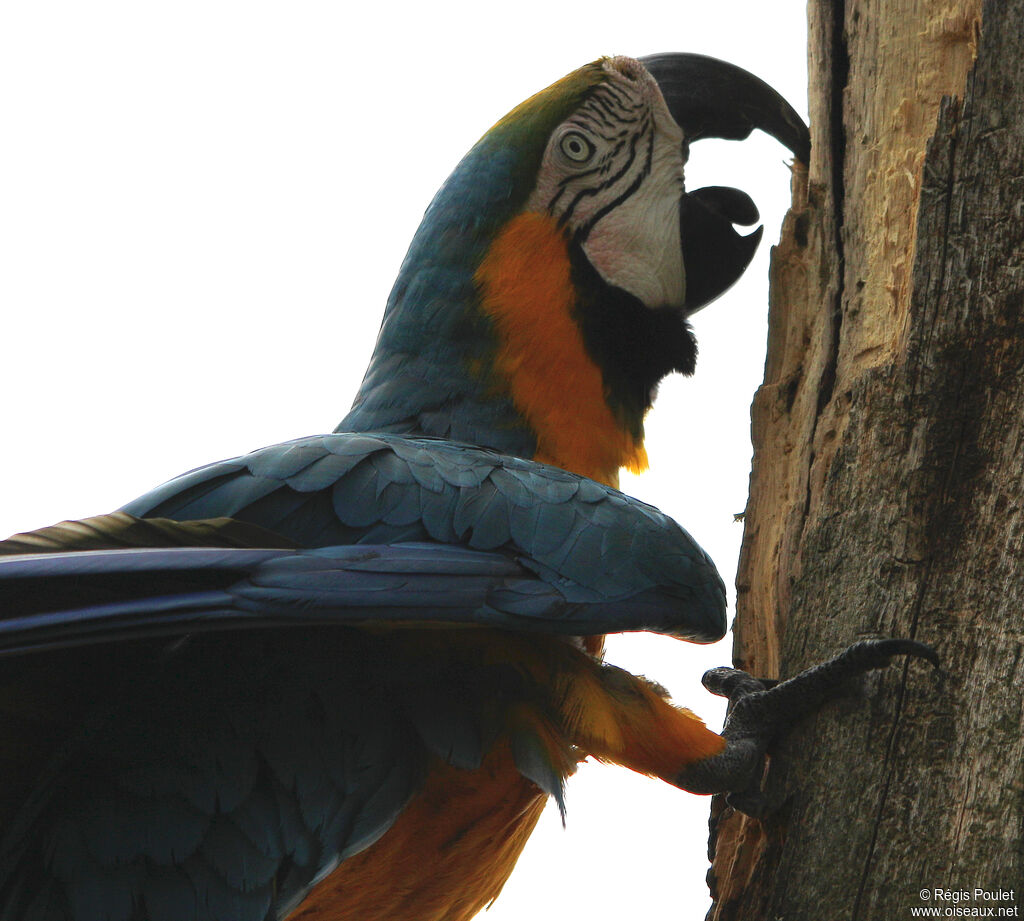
(761, 711)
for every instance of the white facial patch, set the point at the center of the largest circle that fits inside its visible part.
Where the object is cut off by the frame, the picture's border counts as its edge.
(612, 173)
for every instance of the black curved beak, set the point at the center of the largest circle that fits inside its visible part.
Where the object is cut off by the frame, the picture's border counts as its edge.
(712, 98)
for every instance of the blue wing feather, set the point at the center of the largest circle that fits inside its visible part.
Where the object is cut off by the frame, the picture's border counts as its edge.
(227, 772)
(343, 585)
(403, 488)
(170, 895)
(257, 794)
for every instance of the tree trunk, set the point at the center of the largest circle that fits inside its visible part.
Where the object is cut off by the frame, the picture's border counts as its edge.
(887, 493)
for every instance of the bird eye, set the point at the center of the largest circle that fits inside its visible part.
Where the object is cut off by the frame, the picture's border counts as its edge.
(576, 147)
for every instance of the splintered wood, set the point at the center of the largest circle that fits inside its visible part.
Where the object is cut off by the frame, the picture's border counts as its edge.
(841, 428)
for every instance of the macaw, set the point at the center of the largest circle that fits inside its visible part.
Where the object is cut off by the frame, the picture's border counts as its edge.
(340, 677)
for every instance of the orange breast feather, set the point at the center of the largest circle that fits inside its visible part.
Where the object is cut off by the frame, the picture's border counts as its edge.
(526, 288)
(445, 858)
(452, 849)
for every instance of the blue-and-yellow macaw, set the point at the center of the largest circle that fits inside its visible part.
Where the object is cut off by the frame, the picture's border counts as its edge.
(339, 677)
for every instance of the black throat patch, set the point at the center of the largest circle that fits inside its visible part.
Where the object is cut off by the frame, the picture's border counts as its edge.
(633, 345)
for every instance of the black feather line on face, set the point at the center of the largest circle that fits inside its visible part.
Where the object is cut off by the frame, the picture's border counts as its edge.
(633, 345)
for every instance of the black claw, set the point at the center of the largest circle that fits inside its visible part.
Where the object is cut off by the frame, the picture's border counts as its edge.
(817, 684)
(761, 712)
(802, 694)
(753, 803)
(879, 653)
(730, 683)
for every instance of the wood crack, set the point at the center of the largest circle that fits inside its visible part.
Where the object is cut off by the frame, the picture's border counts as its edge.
(839, 77)
(924, 583)
(837, 128)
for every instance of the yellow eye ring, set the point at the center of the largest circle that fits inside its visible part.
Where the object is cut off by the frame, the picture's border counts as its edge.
(576, 147)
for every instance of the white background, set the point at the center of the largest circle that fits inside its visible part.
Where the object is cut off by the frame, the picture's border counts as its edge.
(203, 206)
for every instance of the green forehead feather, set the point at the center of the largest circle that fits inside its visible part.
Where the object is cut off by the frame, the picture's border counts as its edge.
(544, 111)
(526, 129)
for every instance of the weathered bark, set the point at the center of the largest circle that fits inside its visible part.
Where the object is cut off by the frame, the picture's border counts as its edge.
(887, 495)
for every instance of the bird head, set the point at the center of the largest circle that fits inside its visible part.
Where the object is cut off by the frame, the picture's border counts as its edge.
(547, 290)
(610, 178)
